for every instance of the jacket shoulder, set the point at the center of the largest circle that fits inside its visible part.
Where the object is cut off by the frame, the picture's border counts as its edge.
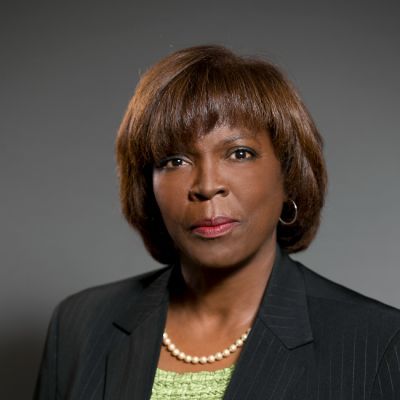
(81, 332)
(340, 306)
(362, 331)
(100, 304)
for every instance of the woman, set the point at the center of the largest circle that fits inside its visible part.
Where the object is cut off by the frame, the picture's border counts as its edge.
(222, 174)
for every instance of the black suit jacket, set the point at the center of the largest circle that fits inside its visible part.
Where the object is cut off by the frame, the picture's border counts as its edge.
(312, 339)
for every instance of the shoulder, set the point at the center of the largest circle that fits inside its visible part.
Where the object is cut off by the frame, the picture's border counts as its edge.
(350, 326)
(337, 310)
(101, 304)
(331, 294)
(81, 331)
(116, 290)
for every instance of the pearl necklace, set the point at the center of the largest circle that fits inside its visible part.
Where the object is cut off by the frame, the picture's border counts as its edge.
(180, 355)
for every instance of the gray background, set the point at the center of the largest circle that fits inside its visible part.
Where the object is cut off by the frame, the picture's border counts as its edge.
(68, 70)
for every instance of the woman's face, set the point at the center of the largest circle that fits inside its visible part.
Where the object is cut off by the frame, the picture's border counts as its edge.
(221, 198)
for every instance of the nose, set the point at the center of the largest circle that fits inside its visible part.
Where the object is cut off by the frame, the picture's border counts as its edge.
(207, 183)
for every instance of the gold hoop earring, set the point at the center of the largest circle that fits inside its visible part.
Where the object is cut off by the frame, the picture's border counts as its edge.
(293, 220)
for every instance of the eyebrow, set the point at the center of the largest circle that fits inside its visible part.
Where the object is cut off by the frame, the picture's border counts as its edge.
(239, 137)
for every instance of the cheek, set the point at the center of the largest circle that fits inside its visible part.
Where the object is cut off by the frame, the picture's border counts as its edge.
(169, 195)
(265, 205)
(262, 192)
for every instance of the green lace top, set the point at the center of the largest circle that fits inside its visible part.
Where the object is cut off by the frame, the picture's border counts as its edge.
(204, 385)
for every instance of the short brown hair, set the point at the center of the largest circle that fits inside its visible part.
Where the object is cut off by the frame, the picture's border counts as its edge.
(190, 92)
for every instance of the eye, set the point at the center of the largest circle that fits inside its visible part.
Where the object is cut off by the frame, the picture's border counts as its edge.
(242, 154)
(172, 162)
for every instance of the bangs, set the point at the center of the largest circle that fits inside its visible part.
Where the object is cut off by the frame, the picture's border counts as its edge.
(206, 95)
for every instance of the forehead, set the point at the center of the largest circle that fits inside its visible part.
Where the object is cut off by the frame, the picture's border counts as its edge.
(225, 135)
(222, 138)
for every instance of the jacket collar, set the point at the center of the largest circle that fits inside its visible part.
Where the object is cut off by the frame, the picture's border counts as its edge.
(132, 360)
(276, 357)
(153, 294)
(283, 308)
(282, 325)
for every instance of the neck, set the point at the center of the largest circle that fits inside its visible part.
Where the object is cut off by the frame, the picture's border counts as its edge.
(224, 296)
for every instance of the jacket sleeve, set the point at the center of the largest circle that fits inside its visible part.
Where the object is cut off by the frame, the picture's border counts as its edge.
(46, 384)
(387, 380)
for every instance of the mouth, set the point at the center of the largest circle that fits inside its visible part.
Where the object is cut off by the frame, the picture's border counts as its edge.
(214, 227)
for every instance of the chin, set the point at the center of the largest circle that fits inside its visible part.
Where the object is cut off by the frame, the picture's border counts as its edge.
(216, 257)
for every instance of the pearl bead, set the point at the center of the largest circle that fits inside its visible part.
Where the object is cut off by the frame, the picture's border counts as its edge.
(226, 353)
(244, 337)
(195, 360)
(164, 335)
(171, 347)
(188, 359)
(167, 341)
(219, 356)
(210, 359)
(181, 355)
(175, 352)
(203, 360)
(232, 348)
(239, 343)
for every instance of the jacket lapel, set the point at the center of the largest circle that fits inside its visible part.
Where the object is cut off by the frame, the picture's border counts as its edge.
(273, 362)
(277, 354)
(133, 359)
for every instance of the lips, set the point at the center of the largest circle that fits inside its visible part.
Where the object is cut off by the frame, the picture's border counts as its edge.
(214, 227)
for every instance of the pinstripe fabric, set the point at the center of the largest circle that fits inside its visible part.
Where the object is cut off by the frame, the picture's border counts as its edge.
(312, 340)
